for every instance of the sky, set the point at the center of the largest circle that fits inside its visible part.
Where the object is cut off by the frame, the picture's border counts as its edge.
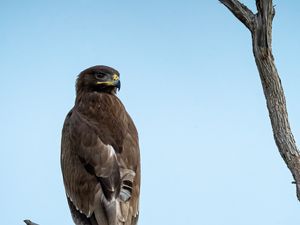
(189, 82)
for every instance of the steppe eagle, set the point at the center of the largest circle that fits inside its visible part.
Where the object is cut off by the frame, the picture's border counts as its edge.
(100, 157)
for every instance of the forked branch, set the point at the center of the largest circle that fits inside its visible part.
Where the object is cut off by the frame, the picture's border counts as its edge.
(241, 12)
(260, 26)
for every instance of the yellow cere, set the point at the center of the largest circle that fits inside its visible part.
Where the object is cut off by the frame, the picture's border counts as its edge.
(115, 77)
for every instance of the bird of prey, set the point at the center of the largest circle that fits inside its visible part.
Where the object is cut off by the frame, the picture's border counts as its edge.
(100, 157)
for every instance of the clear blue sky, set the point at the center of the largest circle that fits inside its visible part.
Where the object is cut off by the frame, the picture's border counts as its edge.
(188, 80)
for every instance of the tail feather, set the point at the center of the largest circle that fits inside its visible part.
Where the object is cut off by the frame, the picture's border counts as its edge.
(118, 209)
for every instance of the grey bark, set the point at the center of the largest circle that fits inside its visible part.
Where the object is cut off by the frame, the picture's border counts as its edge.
(260, 26)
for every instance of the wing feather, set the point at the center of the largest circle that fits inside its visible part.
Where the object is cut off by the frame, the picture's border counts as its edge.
(88, 164)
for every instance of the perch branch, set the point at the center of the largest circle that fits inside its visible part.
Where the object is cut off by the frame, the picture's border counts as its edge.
(28, 222)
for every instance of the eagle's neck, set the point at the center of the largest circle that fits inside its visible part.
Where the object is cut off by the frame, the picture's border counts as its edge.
(87, 95)
(98, 103)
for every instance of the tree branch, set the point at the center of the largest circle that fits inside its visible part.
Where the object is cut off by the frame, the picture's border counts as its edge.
(265, 17)
(28, 222)
(273, 90)
(241, 12)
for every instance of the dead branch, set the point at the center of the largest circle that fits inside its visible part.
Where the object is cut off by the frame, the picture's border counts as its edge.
(260, 26)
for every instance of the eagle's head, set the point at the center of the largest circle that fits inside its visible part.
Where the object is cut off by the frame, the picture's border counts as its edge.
(98, 78)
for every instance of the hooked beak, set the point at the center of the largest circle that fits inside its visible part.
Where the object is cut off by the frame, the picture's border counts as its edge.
(118, 85)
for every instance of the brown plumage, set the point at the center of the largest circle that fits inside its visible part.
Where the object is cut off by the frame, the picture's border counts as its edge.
(100, 157)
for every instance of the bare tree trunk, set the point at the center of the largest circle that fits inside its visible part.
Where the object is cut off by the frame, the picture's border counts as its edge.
(260, 26)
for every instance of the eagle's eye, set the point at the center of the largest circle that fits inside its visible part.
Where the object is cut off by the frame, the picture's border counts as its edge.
(99, 75)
